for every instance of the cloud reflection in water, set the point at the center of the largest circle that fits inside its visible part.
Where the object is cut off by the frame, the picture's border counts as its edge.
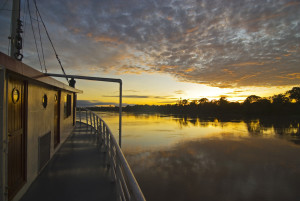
(214, 169)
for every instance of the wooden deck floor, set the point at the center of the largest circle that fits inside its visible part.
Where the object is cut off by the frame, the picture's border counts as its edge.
(77, 172)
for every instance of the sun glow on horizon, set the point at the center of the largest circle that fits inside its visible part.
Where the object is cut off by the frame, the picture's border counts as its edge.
(168, 51)
(161, 89)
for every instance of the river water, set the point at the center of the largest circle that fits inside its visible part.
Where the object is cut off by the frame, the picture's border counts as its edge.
(185, 158)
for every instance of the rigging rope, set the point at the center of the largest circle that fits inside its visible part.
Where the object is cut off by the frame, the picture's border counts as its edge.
(51, 41)
(24, 20)
(41, 41)
(37, 50)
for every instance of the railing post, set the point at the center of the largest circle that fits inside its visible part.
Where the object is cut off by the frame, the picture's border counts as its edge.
(91, 120)
(100, 135)
(79, 109)
(103, 131)
(94, 120)
(97, 123)
(107, 138)
(104, 137)
(87, 120)
(127, 186)
(100, 127)
(112, 161)
(120, 116)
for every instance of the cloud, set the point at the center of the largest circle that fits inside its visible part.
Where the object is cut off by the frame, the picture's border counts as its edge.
(129, 96)
(92, 103)
(211, 42)
(235, 92)
(140, 96)
(105, 39)
(179, 92)
(248, 64)
(132, 90)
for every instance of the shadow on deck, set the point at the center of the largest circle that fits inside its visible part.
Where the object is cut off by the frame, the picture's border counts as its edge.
(77, 172)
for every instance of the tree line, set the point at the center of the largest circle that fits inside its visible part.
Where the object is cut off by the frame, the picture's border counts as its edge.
(287, 103)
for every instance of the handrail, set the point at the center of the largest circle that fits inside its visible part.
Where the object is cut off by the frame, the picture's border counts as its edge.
(127, 186)
(102, 79)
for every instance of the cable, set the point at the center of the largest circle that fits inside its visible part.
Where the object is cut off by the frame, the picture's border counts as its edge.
(34, 35)
(51, 42)
(41, 42)
(8, 47)
(24, 20)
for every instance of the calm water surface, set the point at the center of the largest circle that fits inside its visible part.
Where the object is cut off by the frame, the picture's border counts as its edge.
(183, 158)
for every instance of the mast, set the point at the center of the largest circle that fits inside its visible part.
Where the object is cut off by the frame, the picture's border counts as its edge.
(16, 30)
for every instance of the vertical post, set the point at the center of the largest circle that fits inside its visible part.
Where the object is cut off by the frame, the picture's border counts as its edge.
(107, 141)
(94, 121)
(104, 136)
(120, 116)
(14, 25)
(100, 128)
(91, 120)
(86, 115)
(97, 123)
(79, 116)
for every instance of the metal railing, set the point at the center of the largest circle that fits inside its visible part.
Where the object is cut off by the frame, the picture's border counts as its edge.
(127, 186)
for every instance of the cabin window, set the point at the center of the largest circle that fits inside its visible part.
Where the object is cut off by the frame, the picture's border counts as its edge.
(67, 105)
(45, 101)
(15, 95)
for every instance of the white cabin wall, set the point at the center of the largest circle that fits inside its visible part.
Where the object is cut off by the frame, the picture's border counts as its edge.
(66, 124)
(40, 121)
(3, 133)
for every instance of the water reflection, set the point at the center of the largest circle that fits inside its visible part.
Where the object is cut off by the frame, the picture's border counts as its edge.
(288, 125)
(192, 158)
(231, 169)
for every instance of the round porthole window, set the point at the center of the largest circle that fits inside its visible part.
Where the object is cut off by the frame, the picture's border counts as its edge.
(15, 95)
(45, 101)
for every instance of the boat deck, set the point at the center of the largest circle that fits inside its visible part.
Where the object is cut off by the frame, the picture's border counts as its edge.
(77, 172)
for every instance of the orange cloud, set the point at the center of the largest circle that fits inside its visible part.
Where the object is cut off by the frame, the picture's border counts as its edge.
(228, 71)
(248, 64)
(75, 30)
(130, 70)
(189, 70)
(247, 77)
(192, 30)
(169, 18)
(105, 39)
(294, 3)
(167, 67)
(291, 76)
(90, 35)
(266, 18)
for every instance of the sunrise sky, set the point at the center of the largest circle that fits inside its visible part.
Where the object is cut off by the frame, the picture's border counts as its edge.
(164, 50)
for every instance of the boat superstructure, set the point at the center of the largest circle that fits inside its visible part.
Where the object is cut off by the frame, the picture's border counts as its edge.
(37, 116)
(38, 125)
